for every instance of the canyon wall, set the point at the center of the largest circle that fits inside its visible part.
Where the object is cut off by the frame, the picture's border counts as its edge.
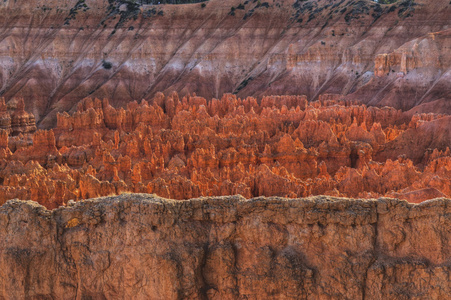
(54, 53)
(144, 247)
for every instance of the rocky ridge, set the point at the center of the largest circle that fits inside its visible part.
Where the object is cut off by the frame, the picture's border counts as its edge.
(141, 246)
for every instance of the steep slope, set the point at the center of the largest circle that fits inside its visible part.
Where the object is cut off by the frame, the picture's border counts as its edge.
(190, 147)
(54, 53)
(145, 247)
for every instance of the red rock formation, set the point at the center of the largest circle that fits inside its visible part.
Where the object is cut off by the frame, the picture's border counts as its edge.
(43, 150)
(305, 47)
(136, 246)
(5, 118)
(16, 121)
(228, 146)
(22, 121)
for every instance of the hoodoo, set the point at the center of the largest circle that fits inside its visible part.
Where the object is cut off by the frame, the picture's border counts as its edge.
(394, 54)
(188, 147)
(239, 149)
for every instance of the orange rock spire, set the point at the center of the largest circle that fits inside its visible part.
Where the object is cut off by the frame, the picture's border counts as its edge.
(192, 147)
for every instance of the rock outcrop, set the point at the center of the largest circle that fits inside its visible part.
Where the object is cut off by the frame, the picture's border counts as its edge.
(16, 120)
(22, 122)
(145, 247)
(188, 147)
(393, 54)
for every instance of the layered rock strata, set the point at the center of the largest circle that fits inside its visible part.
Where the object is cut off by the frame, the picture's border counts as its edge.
(54, 53)
(14, 119)
(145, 247)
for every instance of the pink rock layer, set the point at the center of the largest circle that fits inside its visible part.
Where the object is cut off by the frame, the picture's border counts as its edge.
(53, 53)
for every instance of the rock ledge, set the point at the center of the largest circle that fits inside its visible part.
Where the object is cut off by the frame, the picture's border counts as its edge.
(142, 246)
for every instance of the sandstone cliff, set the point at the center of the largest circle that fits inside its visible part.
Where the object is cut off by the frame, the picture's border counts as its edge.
(145, 247)
(54, 53)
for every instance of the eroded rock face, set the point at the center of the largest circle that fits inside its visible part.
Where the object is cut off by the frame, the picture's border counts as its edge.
(383, 54)
(142, 247)
(16, 120)
(188, 147)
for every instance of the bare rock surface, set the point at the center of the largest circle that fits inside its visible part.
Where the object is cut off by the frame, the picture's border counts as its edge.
(140, 246)
(183, 148)
(54, 53)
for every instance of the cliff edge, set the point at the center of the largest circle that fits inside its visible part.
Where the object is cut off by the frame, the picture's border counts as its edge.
(145, 247)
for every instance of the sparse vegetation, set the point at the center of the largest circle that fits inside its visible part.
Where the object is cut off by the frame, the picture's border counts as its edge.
(243, 84)
(352, 10)
(385, 1)
(127, 9)
(80, 5)
(406, 8)
(259, 4)
(107, 65)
